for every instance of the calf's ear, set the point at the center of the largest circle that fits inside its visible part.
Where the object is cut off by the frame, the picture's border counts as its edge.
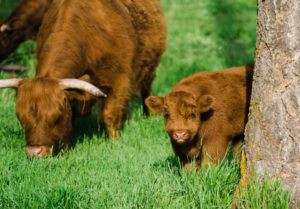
(205, 103)
(155, 103)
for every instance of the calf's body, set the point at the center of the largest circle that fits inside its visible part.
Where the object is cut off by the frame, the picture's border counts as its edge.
(206, 112)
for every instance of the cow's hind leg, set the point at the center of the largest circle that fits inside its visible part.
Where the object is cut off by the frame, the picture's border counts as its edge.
(237, 147)
(147, 82)
(146, 91)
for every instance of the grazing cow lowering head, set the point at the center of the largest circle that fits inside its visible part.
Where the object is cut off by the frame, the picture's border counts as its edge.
(114, 45)
(44, 110)
(181, 111)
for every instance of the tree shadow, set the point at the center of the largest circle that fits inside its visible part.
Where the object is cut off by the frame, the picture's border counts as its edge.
(230, 26)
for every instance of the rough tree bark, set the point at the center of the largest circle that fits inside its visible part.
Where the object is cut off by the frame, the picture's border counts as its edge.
(272, 134)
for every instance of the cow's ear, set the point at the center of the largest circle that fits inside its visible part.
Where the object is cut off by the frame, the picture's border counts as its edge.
(155, 103)
(205, 103)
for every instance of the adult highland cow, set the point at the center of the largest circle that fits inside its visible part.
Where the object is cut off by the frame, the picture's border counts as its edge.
(85, 47)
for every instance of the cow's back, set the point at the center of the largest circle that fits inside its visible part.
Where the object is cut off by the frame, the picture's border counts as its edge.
(109, 37)
(150, 25)
(234, 89)
(83, 33)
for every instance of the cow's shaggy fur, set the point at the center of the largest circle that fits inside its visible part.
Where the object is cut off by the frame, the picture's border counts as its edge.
(22, 24)
(115, 45)
(206, 112)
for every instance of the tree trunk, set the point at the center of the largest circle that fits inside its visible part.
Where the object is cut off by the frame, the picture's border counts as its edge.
(272, 134)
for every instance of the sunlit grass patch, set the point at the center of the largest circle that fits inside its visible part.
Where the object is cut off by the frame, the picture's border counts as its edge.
(263, 194)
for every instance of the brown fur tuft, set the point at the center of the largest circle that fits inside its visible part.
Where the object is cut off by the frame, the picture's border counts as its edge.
(22, 24)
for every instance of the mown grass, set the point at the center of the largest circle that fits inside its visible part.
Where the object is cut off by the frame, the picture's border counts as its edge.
(140, 170)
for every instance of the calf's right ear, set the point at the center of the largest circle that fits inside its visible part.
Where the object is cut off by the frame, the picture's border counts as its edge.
(155, 103)
(206, 102)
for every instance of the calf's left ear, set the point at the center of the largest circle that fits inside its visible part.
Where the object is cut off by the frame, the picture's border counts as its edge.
(155, 103)
(205, 102)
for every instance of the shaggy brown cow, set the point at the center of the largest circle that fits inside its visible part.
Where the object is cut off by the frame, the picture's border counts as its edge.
(22, 24)
(206, 112)
(113, 45)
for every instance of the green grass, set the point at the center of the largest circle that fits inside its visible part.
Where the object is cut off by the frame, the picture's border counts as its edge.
(140, 170)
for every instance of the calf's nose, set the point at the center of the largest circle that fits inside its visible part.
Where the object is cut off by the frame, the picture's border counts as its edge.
(37, 151)
(180, 135)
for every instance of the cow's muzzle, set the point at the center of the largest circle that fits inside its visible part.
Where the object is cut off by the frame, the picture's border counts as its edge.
(38, 151)
(180, 136)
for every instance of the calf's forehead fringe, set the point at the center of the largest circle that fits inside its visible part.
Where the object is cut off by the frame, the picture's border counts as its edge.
(179, 98)
(181, 103)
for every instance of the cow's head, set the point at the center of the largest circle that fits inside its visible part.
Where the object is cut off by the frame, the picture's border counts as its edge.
(182, 113)
(44, 111)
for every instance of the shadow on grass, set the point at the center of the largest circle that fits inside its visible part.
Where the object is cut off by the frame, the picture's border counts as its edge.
(87, 127)
(171, 164)
(231, 23)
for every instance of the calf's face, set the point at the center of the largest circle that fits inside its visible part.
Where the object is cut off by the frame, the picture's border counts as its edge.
(181, 111)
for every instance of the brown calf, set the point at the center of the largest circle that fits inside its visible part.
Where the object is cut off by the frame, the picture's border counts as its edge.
(22, 24)
(206, 112)
(113, 45)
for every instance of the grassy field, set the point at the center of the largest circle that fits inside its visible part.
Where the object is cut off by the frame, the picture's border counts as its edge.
(140, 170)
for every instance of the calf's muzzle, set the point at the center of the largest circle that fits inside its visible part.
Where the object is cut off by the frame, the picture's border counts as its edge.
(180, 136)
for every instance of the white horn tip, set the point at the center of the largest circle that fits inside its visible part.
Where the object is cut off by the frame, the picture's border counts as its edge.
(4, 28)
(100, 94)
(82, 85)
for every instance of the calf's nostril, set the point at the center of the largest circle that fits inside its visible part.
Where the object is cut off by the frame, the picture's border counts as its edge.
(180, 135)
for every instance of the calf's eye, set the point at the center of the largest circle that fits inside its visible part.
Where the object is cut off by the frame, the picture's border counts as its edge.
(167, 116)
(193, 115)
(57, 120)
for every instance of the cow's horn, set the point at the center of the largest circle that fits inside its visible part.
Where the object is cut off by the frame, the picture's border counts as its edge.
(10, 83)
(4, 28)
(81, 85)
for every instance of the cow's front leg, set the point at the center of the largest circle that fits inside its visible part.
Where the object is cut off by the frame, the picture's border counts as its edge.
(115, 109)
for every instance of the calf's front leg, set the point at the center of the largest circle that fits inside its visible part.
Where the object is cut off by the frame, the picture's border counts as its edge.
(213, 151)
